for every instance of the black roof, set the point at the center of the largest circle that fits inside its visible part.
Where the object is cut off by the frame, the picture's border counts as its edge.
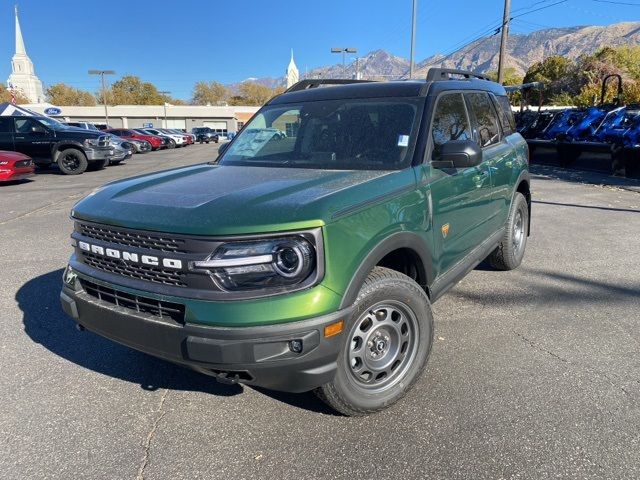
(403, 88)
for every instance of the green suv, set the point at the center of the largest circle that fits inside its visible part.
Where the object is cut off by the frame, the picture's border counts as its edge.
(307, 256)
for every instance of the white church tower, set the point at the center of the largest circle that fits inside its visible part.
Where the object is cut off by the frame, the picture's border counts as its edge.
(292, 72)
(23, 77)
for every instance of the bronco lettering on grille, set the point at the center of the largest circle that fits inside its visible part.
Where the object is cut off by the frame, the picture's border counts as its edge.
(131, 257)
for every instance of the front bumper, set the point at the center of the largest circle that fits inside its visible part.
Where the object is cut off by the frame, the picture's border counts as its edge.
(16, 174)
(257, 355)
(107, 153)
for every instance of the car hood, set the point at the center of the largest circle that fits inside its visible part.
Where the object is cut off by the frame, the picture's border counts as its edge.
(7, 156)
(221, 200)
(78, 133)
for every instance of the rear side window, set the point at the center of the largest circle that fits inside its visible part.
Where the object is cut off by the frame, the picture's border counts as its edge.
(450, 121)
(6, 125)
(486, 118)
(506, 115)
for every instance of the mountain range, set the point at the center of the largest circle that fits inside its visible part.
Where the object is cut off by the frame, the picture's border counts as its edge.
(482, 55)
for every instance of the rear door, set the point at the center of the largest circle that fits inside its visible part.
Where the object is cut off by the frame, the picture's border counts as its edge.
(6, 133)
(32, 138)
(460, 198)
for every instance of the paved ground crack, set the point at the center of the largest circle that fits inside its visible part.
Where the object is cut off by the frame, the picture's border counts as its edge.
(532, 344)
(597, 373)
(147, 444)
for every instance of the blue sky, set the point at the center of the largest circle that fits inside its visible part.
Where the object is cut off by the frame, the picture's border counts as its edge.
(175, 44)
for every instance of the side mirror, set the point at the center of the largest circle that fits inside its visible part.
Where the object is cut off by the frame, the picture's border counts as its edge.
(38, 129)
(458, 154)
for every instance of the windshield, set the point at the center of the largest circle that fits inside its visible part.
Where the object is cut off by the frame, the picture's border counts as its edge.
(53, 124)
(352, 134)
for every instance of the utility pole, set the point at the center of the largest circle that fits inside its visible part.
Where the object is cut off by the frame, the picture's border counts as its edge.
(102, 73)
(165, 92)
(503, 40)
(413, 38)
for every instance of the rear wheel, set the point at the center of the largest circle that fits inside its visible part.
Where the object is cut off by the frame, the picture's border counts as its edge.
(387, 346)
(510, 252)
(72, 161)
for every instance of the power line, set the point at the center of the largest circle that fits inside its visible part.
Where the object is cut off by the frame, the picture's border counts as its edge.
(618, 3)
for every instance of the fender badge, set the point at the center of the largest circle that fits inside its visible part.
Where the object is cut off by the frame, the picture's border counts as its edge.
(445, 230)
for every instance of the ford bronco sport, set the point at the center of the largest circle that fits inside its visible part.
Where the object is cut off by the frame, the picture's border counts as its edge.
(307, 257)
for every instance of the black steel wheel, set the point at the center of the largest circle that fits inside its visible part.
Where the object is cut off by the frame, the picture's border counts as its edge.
(72, 161)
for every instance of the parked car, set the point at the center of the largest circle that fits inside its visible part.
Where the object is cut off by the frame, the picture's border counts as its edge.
(204, 134)
(83, 125)
(140, 146)
(167, 141)
(189, 138)
(49, 142)
(155, 141)
(15, 166)
(179, 140)
(123, 149)
(311, 262)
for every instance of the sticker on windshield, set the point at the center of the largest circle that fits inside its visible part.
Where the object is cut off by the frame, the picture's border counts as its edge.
(403, 140)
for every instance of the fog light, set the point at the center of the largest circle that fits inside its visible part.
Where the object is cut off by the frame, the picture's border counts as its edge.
(295, 346)
(69, 276)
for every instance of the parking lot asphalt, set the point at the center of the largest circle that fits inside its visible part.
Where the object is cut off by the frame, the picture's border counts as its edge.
(534, 373)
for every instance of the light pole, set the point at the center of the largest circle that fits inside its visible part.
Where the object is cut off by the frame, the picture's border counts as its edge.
(344, 51)
(413, 38)
(102, 73)
(165, 93)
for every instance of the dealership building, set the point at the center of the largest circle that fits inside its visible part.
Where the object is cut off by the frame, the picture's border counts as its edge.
(220, 118)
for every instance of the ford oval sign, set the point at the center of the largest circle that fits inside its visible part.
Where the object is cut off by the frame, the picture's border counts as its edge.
(52, 111)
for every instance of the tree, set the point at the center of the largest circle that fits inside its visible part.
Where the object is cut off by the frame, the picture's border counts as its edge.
(209, 93)
(130, 90)
(511, 76)
(252, 93)
(62, 94)
(5, 95)
(556, 74)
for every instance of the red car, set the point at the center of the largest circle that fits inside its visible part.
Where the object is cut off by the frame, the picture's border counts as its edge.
(154, 140)
(15, 166)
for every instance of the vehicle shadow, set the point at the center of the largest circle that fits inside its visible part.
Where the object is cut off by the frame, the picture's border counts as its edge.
(46, 324)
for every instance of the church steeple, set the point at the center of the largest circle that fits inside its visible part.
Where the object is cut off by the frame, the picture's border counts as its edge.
(20, 49)
(23, 76)
(292, 72)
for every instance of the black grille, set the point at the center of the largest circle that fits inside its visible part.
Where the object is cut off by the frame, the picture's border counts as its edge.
(137, 239)
(23, 163)
(157, 308)
(141, 272)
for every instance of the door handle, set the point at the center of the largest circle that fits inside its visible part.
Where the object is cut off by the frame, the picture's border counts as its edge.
(20, 138)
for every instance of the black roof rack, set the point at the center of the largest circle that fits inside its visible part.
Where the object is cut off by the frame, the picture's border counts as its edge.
(437, 74)
(315, 83)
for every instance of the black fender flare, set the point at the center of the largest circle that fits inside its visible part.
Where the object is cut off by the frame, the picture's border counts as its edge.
(405, 239)
(57, 147)
(526, 177)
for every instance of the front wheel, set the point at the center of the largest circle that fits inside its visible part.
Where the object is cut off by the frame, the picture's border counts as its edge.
(72, 161)
(388, 342)
(510, 252)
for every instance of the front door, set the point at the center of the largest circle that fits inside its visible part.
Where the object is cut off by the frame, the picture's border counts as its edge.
(32, 138)
(460, 199)
(6, 133)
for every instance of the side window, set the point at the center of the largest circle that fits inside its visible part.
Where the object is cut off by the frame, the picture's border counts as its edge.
(486, 118)
(6, 125)
(25, 125)
(506, 115)
(450, 121)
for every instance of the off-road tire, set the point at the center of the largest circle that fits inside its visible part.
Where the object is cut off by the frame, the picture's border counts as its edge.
(509, 253)
(381, 287)
(72, 161)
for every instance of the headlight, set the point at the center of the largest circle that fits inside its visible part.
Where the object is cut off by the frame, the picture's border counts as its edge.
(281, 262)
(91, 143)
